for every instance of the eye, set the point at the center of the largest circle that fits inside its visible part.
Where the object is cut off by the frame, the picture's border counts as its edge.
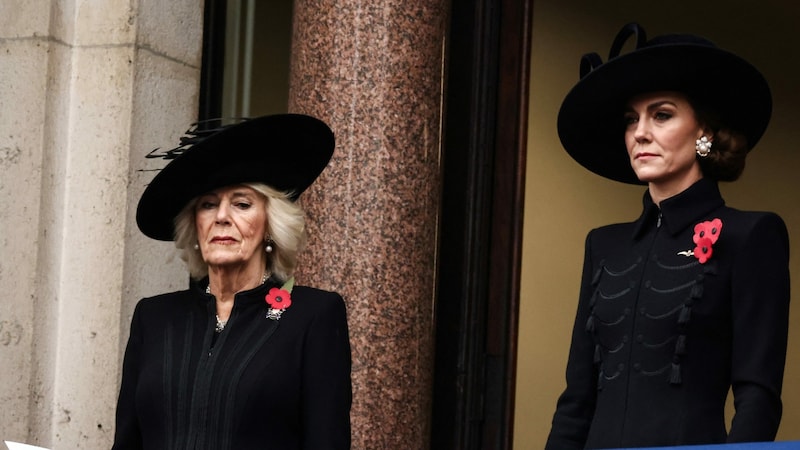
(206, 205)
(630, 119)
(662, 115)
(243, 205)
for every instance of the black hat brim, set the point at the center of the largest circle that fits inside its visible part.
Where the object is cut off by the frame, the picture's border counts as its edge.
(591, 119)
(286, 152)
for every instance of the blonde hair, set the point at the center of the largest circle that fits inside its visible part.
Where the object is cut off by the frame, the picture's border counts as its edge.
(286, 229)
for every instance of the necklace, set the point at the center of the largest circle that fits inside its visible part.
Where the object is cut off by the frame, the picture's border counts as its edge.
(220, 325)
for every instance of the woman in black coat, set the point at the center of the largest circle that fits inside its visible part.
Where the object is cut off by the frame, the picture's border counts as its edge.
(242, 359)
(690, 300)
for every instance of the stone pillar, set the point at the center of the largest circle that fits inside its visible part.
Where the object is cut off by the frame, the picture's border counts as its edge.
(23, 82)
(88, 88)
(373, 71)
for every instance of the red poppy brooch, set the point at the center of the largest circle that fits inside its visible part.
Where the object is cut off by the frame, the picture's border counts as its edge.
(279, 299)
(705, 236)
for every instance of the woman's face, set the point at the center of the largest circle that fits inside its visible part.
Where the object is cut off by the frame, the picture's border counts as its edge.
(660, 134)
(231, 227)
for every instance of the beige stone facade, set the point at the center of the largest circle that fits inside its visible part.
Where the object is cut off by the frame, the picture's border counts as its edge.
(86, 87)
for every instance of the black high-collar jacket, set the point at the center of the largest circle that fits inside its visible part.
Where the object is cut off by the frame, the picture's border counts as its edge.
(260, 384)
(659, 338)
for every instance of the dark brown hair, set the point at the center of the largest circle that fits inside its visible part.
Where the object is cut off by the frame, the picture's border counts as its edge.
(729, 148)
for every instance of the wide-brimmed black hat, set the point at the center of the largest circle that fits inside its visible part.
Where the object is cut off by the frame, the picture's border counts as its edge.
(286, 152)
(591, 120)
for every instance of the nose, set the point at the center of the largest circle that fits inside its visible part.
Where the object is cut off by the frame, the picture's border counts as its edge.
(223, 212)
(641, 131)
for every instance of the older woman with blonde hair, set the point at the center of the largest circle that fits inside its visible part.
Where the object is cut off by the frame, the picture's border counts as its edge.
(286, 236)
(242, 359)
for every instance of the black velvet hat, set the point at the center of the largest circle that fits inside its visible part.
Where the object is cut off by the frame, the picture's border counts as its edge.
(591, 122)
(285, 151)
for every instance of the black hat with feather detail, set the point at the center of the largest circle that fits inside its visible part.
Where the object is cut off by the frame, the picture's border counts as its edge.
(591, 119)
(284, 151)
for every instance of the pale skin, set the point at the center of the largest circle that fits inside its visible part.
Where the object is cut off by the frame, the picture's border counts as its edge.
(660, 134)
(231, 224)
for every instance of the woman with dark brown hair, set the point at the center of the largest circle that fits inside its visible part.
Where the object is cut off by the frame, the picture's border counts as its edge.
(690, 300)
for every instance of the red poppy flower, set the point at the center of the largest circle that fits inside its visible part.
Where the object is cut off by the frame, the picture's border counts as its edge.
(705, 236)
(279, 298)
(709, 229)
(703, 251)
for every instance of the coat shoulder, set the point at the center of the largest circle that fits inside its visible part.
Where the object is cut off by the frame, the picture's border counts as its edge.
(317, 300)
(609, 238)
(751, 219)
(165, 302)
(745, 223)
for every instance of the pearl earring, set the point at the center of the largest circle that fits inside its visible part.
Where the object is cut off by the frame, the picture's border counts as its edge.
(269, 248)
(197, 246)
(703, 146)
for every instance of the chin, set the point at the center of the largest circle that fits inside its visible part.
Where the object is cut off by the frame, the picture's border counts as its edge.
(222, 260)
(645, 177)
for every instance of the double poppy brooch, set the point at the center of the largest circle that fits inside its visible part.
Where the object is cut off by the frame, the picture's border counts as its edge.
(279, 299)
(705, 236)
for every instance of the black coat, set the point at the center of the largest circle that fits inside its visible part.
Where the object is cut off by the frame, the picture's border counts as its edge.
(259, 384)
(659, 338)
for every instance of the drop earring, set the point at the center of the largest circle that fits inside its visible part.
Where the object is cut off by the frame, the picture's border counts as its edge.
(268, 248)
(702, 146)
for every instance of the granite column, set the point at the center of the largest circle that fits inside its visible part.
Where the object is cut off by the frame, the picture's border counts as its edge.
(373, 71)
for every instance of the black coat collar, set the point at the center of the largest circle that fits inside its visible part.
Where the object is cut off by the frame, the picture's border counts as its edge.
(679, 211)
(252, 296)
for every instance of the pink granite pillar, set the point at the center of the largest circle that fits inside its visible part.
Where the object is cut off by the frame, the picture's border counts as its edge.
(373, 71)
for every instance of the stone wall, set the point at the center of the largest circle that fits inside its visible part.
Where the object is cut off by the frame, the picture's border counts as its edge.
(86, 89)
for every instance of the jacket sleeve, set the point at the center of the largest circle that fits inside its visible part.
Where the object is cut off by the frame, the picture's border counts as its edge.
(327, 391)
(575, 407)
(127, 435)
(760, 314)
